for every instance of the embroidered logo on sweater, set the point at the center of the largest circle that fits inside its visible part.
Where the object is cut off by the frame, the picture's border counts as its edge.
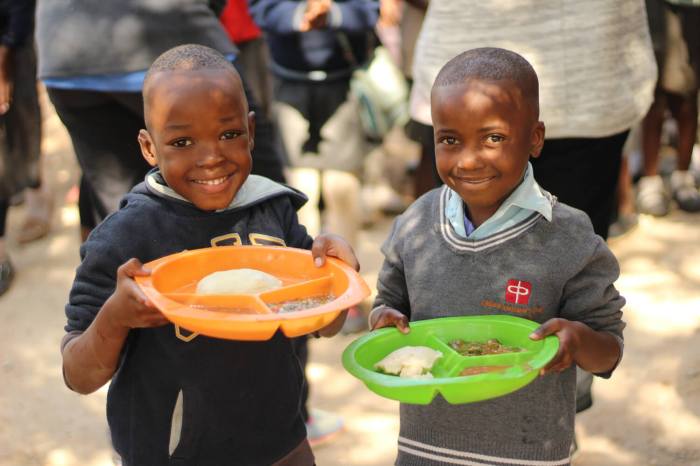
(517, 299)
(518, 291)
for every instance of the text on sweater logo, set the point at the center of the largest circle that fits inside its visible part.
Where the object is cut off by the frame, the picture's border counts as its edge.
(518, 291)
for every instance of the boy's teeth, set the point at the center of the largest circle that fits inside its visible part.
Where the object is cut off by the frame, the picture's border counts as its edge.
(212, 182)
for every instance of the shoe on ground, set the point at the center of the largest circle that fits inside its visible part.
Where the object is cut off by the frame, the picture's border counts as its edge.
(32, 229)
(38, 219)
(685, 192)
(7, 273)
(322, 426)
(651, 196)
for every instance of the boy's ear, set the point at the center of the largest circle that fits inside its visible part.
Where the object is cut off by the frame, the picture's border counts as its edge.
(251, 130)
(147, 148)
(537, 140)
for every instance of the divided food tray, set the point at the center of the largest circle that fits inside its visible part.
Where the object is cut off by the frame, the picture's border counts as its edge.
(360, 357)
(173, 280)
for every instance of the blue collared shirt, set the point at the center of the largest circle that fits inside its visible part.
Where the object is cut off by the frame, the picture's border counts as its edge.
(526, 199)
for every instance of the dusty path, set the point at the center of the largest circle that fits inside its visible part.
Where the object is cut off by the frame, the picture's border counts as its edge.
(648, 414)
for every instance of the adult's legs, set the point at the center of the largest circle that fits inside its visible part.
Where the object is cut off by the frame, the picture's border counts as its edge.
(341, 193)
(343, 146)
(104, 128)
(651, 194)
(425, 176)
(583, 173)
(308, 180)
(321, 132)
(685, 111)
(6, 269)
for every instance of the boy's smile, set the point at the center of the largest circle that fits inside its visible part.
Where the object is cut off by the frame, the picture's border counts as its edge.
(199, 134)
(485, 133)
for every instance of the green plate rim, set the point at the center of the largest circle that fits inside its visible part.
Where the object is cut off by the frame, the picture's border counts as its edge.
(539, 360)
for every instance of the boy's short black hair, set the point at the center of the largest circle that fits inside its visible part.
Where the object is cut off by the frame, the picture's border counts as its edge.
(491, 64)
(187, 57)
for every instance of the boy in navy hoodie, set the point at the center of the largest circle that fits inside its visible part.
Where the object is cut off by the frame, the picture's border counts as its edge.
(239, 400)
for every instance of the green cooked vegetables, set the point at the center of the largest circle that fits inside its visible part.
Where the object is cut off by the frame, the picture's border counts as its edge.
(476, 348)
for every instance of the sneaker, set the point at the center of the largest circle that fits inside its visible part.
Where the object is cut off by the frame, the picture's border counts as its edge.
(651, 196)
(685, 193)
(322, 426)
(38, 218)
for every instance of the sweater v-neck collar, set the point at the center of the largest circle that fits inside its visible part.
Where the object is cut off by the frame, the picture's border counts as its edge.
(490, 241)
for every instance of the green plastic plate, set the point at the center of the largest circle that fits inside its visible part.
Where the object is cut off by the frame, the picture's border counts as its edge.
(361, 355)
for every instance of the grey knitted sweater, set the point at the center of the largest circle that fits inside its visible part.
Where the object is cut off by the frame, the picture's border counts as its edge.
(430, 272)
(87, 37)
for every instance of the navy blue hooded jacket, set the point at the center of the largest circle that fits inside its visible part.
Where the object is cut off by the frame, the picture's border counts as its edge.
(241, 399)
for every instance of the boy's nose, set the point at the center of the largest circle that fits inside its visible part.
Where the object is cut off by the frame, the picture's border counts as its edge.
(468, 160)
(211, 156)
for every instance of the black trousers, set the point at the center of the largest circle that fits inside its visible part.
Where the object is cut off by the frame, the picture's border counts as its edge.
(4, 206)
(104, 126)
(583, 173)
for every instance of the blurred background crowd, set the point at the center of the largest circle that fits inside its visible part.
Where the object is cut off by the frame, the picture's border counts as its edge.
(341, 90)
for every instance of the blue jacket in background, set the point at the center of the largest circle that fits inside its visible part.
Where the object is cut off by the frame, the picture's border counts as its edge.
(350, 22)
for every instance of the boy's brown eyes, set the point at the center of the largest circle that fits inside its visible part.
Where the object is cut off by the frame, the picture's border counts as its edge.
(230, 135)
(495, 138)
(181, 142)
(449, 140)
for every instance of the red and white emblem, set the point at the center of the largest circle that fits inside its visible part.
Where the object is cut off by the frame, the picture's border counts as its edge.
(518, 291)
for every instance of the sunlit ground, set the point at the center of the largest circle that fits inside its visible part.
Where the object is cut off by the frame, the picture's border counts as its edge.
(647, 414)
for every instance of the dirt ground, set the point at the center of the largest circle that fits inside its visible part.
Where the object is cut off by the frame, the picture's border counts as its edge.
(647, 414)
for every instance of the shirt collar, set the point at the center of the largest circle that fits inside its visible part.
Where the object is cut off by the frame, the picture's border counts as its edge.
(253, 189)
(528, 197)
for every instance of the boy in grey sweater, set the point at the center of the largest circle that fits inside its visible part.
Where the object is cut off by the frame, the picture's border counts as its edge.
(491, 241)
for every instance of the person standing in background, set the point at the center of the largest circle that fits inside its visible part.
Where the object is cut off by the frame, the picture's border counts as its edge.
(315, 45)
(93, 57)
(20, 130)
(675, 27)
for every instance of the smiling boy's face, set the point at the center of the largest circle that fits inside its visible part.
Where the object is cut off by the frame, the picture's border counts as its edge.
(200, 134)
(485, 133)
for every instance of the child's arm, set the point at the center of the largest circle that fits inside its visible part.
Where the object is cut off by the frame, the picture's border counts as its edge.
(333, 246)
(392, 306)
(90, 359)
(590, 327)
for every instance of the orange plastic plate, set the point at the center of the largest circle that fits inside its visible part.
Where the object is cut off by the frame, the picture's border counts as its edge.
(173, 281)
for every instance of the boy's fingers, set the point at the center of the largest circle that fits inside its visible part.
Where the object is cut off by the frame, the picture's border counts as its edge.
(318, 250)
(550, 327)
(402, 325)
(138, 296)
(157, 320)
(335, 246)
(561, 361)
(381, 322)
(133, 268)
